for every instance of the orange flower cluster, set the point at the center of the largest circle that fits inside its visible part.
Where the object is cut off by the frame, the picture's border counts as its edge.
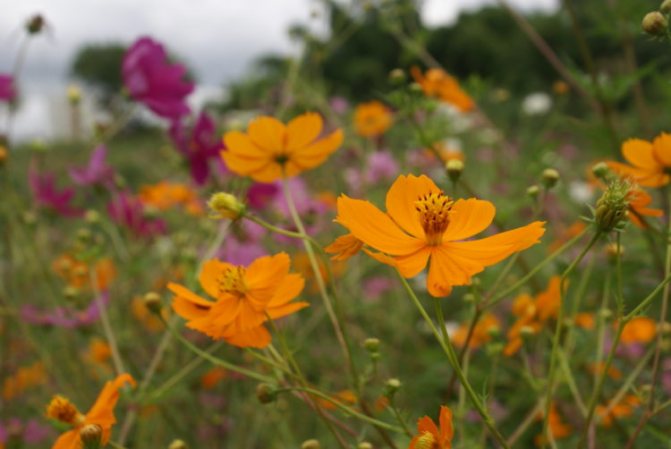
(166, 195)
(625, 408)
(101, 414)
(532, 313)
(482, 332)
(650, 161)
(372, 119)
(271, 150)
(431, 436)
(423, 224)
(25, 378)
(438, 83)
(77, 274)
(245, 298)
(639, 330)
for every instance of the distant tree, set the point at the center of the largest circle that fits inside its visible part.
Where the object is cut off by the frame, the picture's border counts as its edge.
(99, 66)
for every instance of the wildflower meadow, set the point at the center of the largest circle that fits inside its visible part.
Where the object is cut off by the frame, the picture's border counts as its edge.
(402, 235)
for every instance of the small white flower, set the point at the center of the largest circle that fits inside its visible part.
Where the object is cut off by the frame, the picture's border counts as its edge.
(537, 103)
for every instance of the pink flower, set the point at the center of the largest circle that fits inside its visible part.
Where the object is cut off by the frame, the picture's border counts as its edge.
(98, 171)
(153, 81)
(65, 317)
(47, 194)
(7, 90)
(259, 195)
(381, 166)
(199, 144)
(127, 210)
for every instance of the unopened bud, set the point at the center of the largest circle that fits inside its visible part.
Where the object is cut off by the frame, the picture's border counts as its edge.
(364, 445)
(91, 436)
(70, 293)
(527, 331)
(84, 235)
(178, 444)
(665, 7)
(372, 344)
(391, 387)
(74, 94)
(550, 178)
(605, 313)
(225, 205)
(655, 24)
(265, 393)
(415, 88)
(533, 191)
(469, 297)
(611, 208)
(613, 251)
(454, 169)
(600, 170)
(311, 444)
(397, 77)
(92, 216)
(35, 24)
(152, 301)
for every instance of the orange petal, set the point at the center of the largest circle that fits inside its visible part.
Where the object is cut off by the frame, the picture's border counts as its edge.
(400, 201)
(264, 275)
(344, 247)
(661, 148)
(426, 424)
(254, 338)
(241, 145)
(287, 309)
(446, 430)
(469, 217)
(102, 412)
(187, 304)
(313, 155)
(290, 287)
(447, 270)
(409, 266)
(269, 173)
(243, 165)
(209, 274)
(268, 133)
(374, 228)
(68, 440)
(302, 130)
(640, 153)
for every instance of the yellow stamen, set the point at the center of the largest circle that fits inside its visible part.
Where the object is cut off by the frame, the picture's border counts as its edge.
(61, 409)
(426, 441)
(233, 281)
(434, 215)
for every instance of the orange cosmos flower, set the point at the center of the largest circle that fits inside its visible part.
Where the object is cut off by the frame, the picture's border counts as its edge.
(438, 83)
(25, 378)
(422, 224)
(585, 320)
(430, 436)
(76, 273)
(165, 195)
(649, 161)
(271, 150)
(639, 330)
(625, 408)
(639, 200)
(211, 378)
(372, 119)
(245, 297)
(482, 332)
(556, 426)
(101, 414)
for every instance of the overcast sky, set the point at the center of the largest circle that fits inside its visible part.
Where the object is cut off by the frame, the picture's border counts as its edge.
(218, 38)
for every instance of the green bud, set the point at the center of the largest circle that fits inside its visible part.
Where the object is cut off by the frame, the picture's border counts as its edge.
(454, 169)
(372, 344)
(91, 436)
(601, 170)
(265, 393)
(611, 208)
(533, 191)
(655, 24)
(397, 77)
(225, 205)
(550, 178)
(311, 444)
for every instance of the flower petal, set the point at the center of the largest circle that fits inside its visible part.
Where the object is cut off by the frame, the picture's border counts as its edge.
(187, 304)
(268, 133)
(446, 430)
(409, 266)
(290, 287)
(640, 153)
(400, 201)
(258, 337)
(239, 143)
(209, 274)
(374, 228)
(661, 149)
(302, 130)
(102, 412)
(313, 155)
(468, 218)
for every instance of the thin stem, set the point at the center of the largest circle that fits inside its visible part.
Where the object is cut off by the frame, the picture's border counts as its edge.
(447, 347)
(107, 328)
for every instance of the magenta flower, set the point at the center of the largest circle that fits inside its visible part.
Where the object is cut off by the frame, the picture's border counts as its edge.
(199, 144)
(127, 210)
(64, 317)
(47, 194)
(7, 90)
(155, 82)
(259, 195)
(244, 246)
(98, 171)
(381, 166)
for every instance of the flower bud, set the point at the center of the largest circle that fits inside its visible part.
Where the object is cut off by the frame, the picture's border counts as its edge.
(611, 208)
(265, 393)
(415, 88)
(35, 24)
(391, 387)
(364, 445)
(84, 236)
(372, 344)
(613, 251)
(550, 178)
(178, 444)
(605, 313)
(533, 191)
(655, 24)
(600, 170)
(152, 301)
(70, 293)
(311, 444)
(91, 436)
(397, 77)
(92, 216)
(74, 94)
(665, 7)
(38, 146)
(4, 155)
(527, 331)
(454, 169)
(225, 205)
(468, 297)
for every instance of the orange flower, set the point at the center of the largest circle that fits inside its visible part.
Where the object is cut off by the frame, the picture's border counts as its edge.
(76, 273)
(598, 368)
(585, 320)
(148, 319)
(639, 330)
(649, 161)
(344, 247)
(481, 332)
(437, 83)
(25, 378)
(344, 396)
(245, 297)
(430, 436)
(556, 427)
(210, 379)
(608, 413)
(423, 224)
(99, 351)
(270, 150)
(639, 200)
(372, 119)
(532, 313)
(101, 414)
(165, 195)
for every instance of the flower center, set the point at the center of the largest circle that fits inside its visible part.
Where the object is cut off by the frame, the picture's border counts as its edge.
(233, 281)
(426, 441)
(61, 409)
(434, 215)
